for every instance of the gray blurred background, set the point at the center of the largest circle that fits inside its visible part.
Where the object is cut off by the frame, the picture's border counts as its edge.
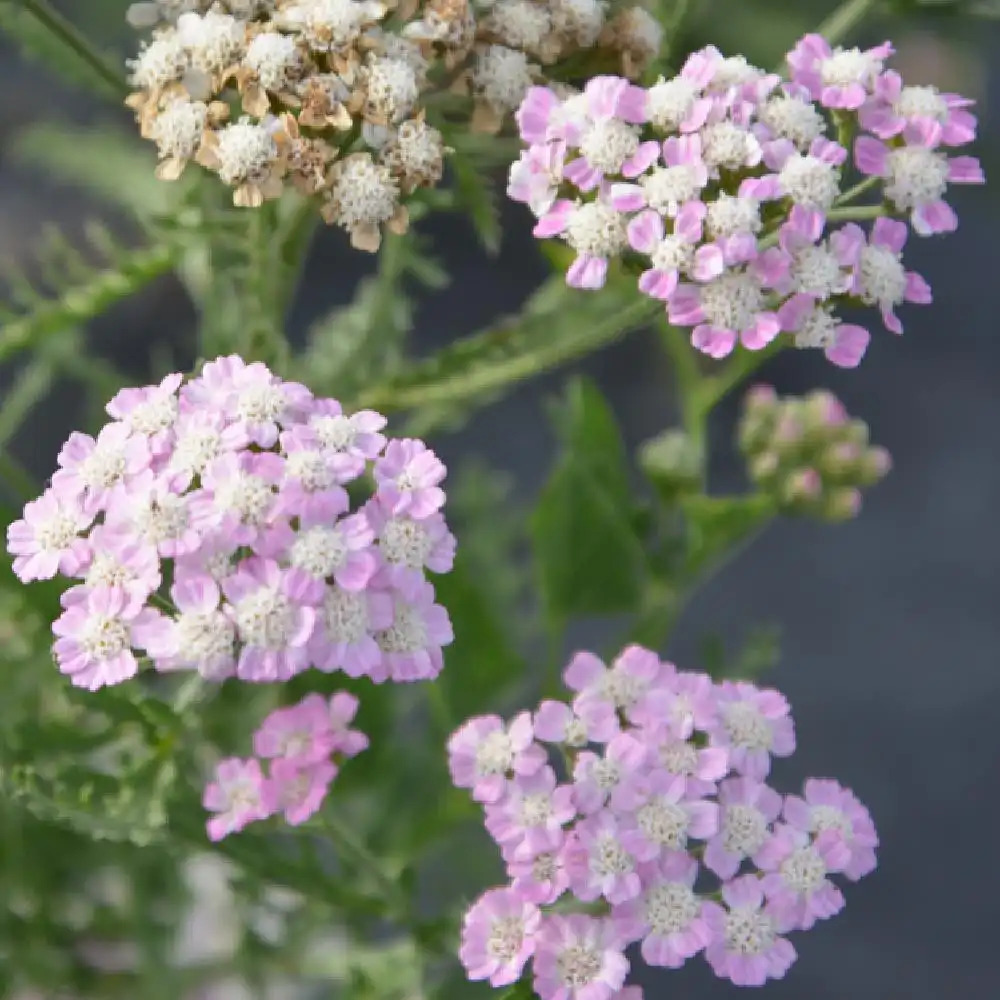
(890, 624)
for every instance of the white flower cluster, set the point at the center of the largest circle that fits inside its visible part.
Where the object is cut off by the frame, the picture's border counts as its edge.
(326, 95)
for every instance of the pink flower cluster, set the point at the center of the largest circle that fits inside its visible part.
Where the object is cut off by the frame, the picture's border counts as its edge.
(208, 527)
(305, 744)
(720, 186)
(664, 789)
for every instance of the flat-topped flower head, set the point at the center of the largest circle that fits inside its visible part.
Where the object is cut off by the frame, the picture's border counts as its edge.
(651, 843)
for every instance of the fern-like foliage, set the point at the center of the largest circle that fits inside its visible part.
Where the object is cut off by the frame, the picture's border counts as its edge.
(69, 287)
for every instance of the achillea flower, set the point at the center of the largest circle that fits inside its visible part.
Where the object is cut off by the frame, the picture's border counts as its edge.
(625, 844)
(717, 187)
(330, 96)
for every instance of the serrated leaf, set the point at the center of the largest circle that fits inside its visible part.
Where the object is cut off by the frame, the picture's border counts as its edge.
(50, 311)
(590, 558)
(476, 193)
(557, 325)
(718, 524)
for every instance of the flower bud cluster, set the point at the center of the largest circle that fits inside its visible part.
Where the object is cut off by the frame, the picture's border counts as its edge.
(304, 746)
(641, 807)
(808, 454)
(724, 187)
(328, 95)
(208, 527)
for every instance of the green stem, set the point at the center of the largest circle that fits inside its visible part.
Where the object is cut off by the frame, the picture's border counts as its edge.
(739, 368)
(68, 34)
(845, 19)
(863, 187)
(855, 213)
(487, 378)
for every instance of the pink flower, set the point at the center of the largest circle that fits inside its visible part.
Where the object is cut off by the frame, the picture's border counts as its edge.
(917, 175)
(671, 188)
(150, 411)
(879, 277)
(668, 916)
(353, 440)
(120, 559)
(675, 254)
(261, 403)
(816, 326)
(556, 722)
(745, 946)
(341, 711)
(239, 795)
(407, 546)
(894, 106)
(578, 958)
(595, 230)
(748, 809)
(665, 818)
(608, 140)
(634, 672)
(535, 113)
(238, 495)
(732, 307)
(700, 768)
(498, 936)
(202, 637)
(753, 725)
(346, 625)
(530, 817)
(298, 788)
(683, 704)
(408, 475)
(483, 753)
(411, 645)
(47, 540)
(90, 468)
(272, 625)
(829, 807)
(615, 777)
(541, 879)
(796, 884)
(535, 178)
(837, 78)
(96, 634)
(148, 508)
(324, 546)
(602, 856)
(299, 732)
(201, 436)
(311, 475)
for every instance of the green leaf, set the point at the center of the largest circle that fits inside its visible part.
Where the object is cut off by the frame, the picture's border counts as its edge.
(481, 663)
(78, 289)
(475, 192)
(590, 558)
(557, 325)
(718, 524)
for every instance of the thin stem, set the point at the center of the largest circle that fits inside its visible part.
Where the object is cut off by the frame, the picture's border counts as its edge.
(72, 38)
(851, 194)
(855, 213)
(741, 366)
(845, 19)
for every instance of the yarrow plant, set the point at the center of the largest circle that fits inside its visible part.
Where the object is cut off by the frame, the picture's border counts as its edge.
(730, 189)
(245, 567)
(662, 831)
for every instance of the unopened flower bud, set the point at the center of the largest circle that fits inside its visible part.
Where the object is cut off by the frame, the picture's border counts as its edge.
(673, 462)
